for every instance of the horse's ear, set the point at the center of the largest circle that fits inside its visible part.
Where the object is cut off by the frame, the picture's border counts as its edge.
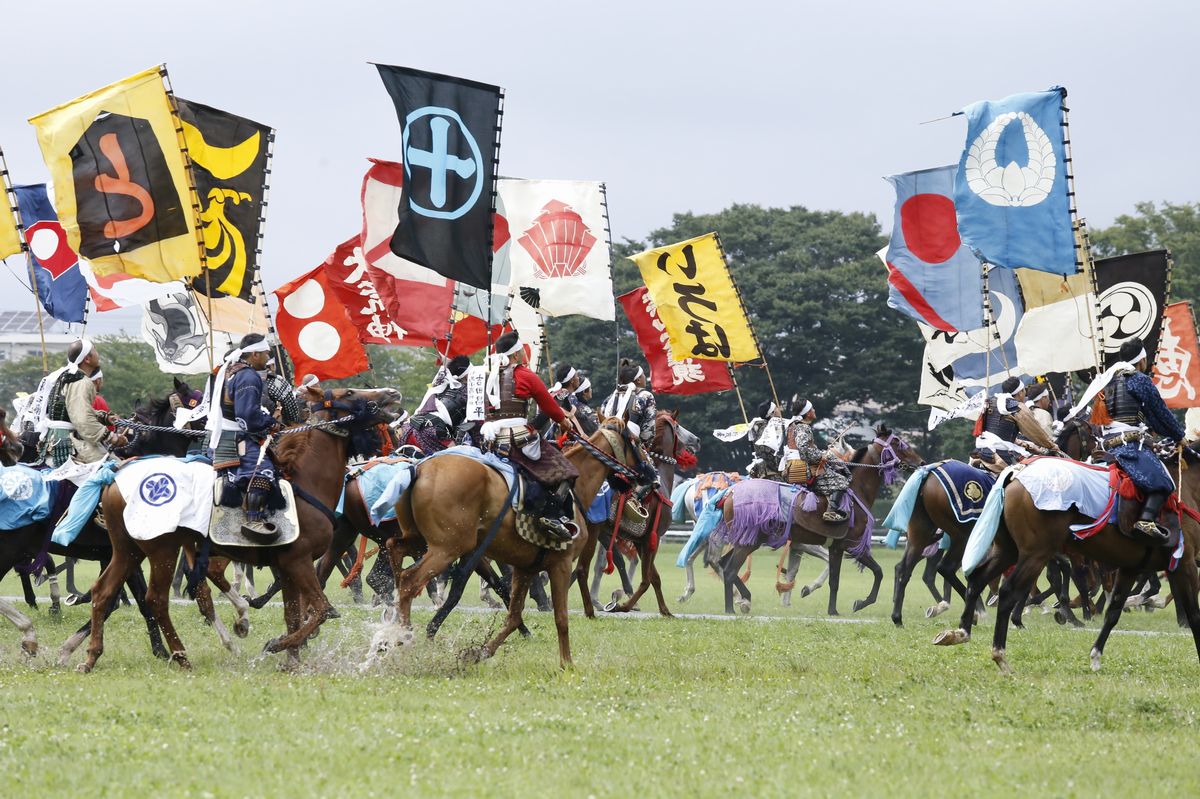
(675, 414)
(181, 387)
(314, 394)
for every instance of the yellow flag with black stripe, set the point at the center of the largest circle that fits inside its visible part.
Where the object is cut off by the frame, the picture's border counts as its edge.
(697, 301)
(121, 185)
(10, 237)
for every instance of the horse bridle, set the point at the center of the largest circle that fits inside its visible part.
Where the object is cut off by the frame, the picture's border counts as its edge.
(612, 462)
(358, 410)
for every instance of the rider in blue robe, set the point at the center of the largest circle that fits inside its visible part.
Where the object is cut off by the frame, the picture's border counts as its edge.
(1135, 407)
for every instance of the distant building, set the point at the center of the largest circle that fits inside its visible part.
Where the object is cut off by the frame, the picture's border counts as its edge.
(20, 338)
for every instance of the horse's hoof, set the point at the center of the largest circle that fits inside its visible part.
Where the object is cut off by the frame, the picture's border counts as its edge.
(859, 604)
(992, 600)
(1095, 659)
(161, 652)
(332, 613)
(73, 599)
(898, 621)
(241, 628)
(64, 658)
(56, 609)
(687, 594)
(180, 659)
(475, 654)
(83, 668)
(743, 606)
(29, 648)
(272, 646)
(937, 610)
(1001, 660)
(951, 637)
(805, 591)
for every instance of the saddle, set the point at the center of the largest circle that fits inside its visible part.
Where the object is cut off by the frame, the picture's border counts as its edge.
(526, 519)
(225, 528)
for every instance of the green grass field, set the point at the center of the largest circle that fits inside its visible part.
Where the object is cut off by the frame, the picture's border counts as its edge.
(793, 705)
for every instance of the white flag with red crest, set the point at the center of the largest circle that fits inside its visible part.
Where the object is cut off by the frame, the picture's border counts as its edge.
(558, 258)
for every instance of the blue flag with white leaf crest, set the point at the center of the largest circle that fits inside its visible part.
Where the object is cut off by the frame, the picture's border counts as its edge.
(1011, 189)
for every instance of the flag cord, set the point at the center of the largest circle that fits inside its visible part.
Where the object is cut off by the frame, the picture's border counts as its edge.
(742, 306)
(737, 390)
(194, 195)
(16, 211)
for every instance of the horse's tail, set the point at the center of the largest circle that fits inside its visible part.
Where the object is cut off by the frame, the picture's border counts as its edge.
(708, 520)
(897, 518)
(984, 532)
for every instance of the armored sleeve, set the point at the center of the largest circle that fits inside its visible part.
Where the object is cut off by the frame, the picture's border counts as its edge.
(1158, 415)
(649, 416)
(802, 440)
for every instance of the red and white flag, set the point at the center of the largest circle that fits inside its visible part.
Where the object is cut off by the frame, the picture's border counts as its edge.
(667, 375)
(1177, 367)
(316, 329)
(349, 277)
(416, 298)
(559, 257)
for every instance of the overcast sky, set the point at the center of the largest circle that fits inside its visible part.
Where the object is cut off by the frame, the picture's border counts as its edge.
(687, 106)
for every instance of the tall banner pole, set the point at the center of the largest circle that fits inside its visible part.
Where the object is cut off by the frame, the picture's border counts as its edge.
(37, 303)
(194, 196)
(758, 346)
(1089, 267)
(737, 390)
(487, 323)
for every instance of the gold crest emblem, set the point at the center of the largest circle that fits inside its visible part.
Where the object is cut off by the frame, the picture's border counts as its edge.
(973, 491)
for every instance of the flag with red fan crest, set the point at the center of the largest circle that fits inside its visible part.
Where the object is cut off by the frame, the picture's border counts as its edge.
(558, 259)
(316, 329)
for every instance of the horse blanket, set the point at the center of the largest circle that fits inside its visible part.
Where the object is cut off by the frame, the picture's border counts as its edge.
(966, 486)
(25, 496)
(711, 482)
(402, 476)
(1060, 484)
(373, 478)
(762, 514)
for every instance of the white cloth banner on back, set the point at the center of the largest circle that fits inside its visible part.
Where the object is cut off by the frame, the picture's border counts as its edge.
(559, 245)
(175, 326)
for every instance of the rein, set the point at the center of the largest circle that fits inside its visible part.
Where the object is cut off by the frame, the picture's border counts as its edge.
(613, 464)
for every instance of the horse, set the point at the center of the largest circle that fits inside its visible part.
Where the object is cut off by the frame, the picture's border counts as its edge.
(870, 464)
(32, 543)
(435, 512)
(313, 459)
(1028, 538)
(685, 510)
(671, 439)
(10, 442)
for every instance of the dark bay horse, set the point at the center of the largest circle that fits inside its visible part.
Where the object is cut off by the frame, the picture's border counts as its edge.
(868, 465)
(671, 439)
(1028, 538)
(314, 460)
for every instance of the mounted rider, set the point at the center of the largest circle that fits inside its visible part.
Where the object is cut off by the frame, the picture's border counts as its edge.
(1004, 416)
(633, 402)
(566, 380)
(443, 408)
(585, 414)
(65, 413)
(509, 387)
(766, 435)
(1132, 408)
(1038, 400)
(239, 432)
(832, 475)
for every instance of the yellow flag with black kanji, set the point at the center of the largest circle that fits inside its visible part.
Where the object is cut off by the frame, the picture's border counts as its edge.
(121, 184)
(697, 301)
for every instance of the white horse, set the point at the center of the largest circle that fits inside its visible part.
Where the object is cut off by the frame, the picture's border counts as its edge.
(684, 498)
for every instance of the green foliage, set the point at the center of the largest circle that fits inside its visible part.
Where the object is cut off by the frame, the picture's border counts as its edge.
(407, 368)
(1175, 226)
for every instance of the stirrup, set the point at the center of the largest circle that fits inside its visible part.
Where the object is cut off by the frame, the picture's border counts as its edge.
(259, 528)
(557, 530)
(1153, 531)
(833, 515)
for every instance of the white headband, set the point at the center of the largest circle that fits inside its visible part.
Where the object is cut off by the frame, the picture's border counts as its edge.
(309, 380)
(512, 350)
(584, 386)
(772, 409)
(99, 374)
(640, 373)
(559, 384)
(84, 351)
(808, 406)
(1140, 356)
(258, 346)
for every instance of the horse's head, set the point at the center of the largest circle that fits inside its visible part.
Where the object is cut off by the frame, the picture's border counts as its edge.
(364, 411)
(184, 396)
(894, 451)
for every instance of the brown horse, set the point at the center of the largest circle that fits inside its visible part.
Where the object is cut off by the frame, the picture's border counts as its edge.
(1029, 538)
(314, 460)
(670, 440)
(452, 503)
(869, 465)
(10, 443)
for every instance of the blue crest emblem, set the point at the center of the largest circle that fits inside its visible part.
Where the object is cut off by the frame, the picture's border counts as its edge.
(157, 489)
(440, 162)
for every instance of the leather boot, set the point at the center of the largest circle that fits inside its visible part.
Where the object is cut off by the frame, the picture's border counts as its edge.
(1148, 525)
(832, 508)
(256, 524)
(556, 514)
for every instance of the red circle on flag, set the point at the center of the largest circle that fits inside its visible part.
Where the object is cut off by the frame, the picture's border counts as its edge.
(930, 227)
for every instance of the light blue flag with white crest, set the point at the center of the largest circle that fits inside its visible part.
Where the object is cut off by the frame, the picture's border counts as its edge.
(1011, 189)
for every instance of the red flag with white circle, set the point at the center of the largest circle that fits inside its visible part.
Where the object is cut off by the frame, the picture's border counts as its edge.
(316, 329)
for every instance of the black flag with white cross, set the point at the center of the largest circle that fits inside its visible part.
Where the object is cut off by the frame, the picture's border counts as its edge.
(450, 146)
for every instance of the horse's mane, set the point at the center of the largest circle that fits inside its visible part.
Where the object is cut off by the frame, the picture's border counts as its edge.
(1064, 435)
(858, 455)
(157, 410)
